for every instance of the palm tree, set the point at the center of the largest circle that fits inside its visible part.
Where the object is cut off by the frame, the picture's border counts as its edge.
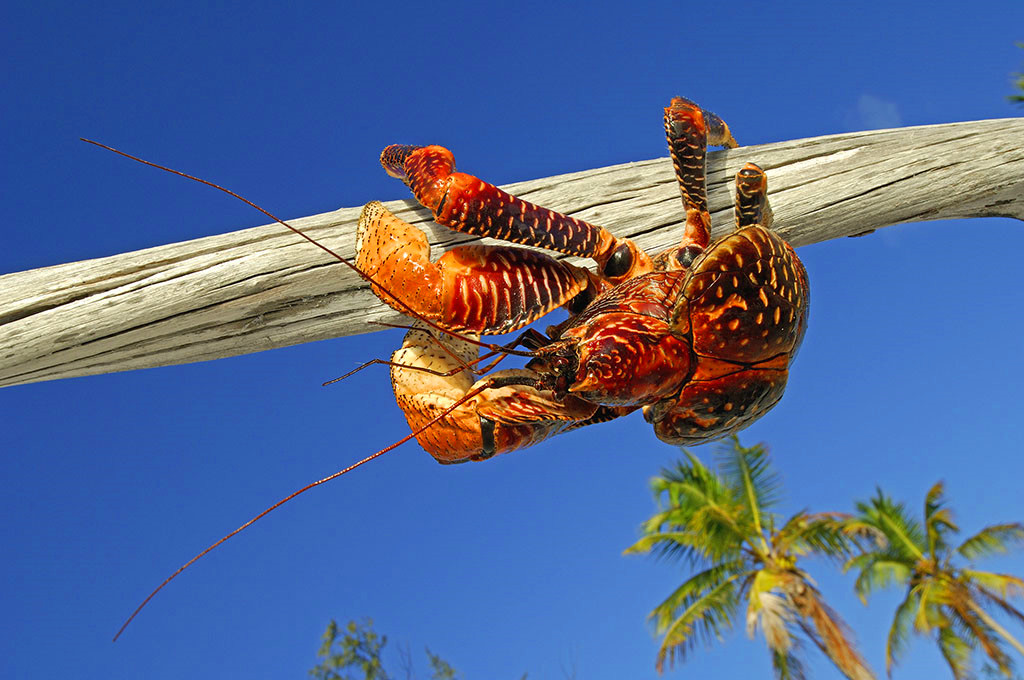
(943, 600)
(719, 521)
(1018, 84)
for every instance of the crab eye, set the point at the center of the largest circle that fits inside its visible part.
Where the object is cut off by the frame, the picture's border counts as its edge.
(620, 262)
(581, 301)
(685, 256)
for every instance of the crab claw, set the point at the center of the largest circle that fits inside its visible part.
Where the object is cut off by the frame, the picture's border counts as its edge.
(393, 159)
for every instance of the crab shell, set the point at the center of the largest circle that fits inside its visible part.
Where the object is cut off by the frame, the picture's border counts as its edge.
(705, 350)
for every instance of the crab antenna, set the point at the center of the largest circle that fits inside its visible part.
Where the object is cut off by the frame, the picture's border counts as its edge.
(465, 365)
(366, 277)
(469, 395)
(466, 397)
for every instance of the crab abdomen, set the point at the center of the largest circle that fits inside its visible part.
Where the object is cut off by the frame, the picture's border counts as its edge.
(746, 298)
(745, 305)
(706, 410)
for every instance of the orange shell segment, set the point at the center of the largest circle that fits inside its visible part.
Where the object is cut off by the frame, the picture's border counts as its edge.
(748, 298)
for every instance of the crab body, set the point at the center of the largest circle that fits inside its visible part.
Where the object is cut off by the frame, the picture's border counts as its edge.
(700, 336)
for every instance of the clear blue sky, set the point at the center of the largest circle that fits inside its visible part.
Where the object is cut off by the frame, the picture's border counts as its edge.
(910, 372)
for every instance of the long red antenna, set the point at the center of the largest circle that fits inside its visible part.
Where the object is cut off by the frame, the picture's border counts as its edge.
(469, 395)
(366, 277)
(249, 523)
(466, 397)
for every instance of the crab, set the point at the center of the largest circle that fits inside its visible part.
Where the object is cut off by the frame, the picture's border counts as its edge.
(700, 337)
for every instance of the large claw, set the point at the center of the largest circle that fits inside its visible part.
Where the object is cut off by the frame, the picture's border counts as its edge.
(479, 289)
(427, 380)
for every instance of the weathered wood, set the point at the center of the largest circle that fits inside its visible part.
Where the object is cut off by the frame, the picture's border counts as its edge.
(263, 287)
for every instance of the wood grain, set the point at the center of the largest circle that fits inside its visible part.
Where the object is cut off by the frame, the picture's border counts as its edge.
(263, 287)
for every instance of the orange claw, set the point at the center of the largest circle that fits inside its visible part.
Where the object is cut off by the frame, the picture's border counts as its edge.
(497, 420)
(480, 289)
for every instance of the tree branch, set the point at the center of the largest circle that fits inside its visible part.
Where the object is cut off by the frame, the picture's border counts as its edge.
(263, 287)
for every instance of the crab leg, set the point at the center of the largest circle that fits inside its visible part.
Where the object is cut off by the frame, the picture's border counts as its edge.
(752, 197)
(690, 130)
(470, 205)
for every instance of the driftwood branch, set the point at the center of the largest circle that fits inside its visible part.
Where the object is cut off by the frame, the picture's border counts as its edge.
(263, 287)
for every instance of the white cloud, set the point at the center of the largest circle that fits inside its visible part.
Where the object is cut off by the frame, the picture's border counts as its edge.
(874, 113)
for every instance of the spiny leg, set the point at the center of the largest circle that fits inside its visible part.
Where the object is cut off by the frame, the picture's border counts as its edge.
(690, 130)
(470, 205)
(752, 197)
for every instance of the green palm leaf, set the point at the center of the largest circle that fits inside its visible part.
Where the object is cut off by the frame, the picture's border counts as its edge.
(749, 471)
(692, 590)
(821, 533)
(992, 540)
(957, 653)
(944, 601)
(878, 570)
(938, 520)
(902, 533)
(897, 640)
(680, 545)
(721, 520)
(998, 597)
(703, 617)
(1005, 585)
(703, 512)
(788, 666)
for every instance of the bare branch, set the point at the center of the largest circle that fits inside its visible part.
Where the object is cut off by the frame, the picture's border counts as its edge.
(262, 288)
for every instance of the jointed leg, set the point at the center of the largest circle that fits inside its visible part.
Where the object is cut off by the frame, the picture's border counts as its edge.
(690, 130)
(752, 197)
(470, 205)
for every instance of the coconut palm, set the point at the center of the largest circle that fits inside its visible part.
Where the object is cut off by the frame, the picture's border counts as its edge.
(947, 602)
(744, 557)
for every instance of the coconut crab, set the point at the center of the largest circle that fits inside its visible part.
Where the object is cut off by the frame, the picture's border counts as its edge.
(699, 336)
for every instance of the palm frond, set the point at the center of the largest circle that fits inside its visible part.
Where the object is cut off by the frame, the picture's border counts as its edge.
(827, 630)
(992, 540)
(704, 617)
(899, 632)
(680, 545)
(999, 600)
(788, 666)
(938, 519)
(769, 609)
(693, 533)
(957, 653)
(975, 606)
(1018, 84)
(775, 616)
(878, 570)
(930, 612)
(683, 597)
(902, 532)
(1006, 585)
(694, 501)
(748, 470)
(822, 533)
(861, 532)
(968, 619)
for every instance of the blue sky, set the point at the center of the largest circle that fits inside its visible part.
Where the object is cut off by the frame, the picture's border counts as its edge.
(910, 371)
